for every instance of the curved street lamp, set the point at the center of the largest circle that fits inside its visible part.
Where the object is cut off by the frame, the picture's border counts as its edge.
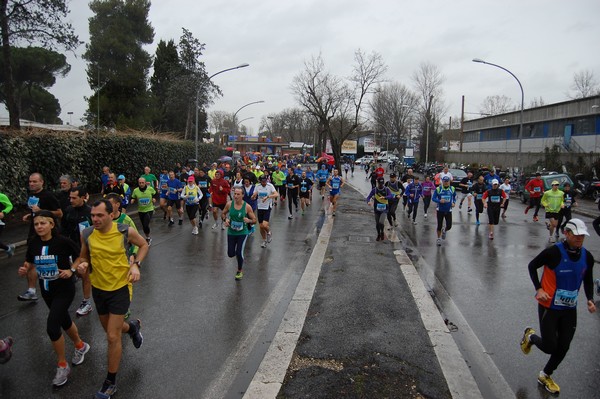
(202, 85)
(478, 60)
(242, 107)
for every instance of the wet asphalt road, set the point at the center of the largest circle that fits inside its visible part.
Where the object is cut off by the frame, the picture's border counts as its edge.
(486, 285)
(204, 333)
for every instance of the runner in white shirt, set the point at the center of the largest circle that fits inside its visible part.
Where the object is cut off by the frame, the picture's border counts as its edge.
(264, 193)
(507, 188)
(445, 173)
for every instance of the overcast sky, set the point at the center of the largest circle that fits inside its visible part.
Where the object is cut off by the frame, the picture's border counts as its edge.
(543, 42)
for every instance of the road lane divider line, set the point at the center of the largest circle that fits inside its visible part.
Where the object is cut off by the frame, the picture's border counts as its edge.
(271, 372)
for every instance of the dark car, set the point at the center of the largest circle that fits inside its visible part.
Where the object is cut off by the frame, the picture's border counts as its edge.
(547, 179)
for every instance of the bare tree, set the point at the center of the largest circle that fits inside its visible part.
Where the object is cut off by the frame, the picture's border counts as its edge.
(536, 102)
(391, 109)
(292, 124)
(336, 103)
(494, 105)
(428, 81)
(584, 85)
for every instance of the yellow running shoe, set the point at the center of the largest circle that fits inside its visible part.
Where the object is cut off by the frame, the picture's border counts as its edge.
(526, 341)
(547, 382)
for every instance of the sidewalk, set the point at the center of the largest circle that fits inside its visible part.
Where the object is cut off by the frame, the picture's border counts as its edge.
(364, 335)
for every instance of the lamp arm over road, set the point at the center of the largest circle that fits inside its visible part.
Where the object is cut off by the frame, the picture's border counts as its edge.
(204, 83)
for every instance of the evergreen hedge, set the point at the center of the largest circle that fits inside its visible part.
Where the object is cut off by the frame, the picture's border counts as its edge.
(82, 155)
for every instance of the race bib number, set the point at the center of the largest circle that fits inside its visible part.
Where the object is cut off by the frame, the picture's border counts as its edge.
(164, 187)
(495, 198)
(144, 201)
(507, 191)
(191, 200)
(172, 190)
(537, 189)
(303, 189)
(290, 185)
(469, 184)
(568, 202)
(33, 201)
(566, 298)
(203, 184)
(381, 207)
(83, 225)
(237, 226)
(447, 198)
(479, 196)
(335, 186)
(47, 272)
(263, 195)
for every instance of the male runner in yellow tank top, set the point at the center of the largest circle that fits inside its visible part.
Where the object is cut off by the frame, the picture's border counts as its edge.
(104, 246)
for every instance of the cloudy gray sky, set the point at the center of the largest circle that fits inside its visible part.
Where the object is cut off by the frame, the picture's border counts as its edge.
(543, 42)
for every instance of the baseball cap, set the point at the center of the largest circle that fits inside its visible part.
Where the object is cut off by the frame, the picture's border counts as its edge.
(538, 174)
(121, 177)
(262, 177)
(446, 178)
(381, 180)
(191, 178)
(495, 181)
(393, 175)
(555, 183)
(577, 227)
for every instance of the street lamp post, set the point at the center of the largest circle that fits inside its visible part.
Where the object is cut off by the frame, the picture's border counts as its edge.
(427, 130)
(519, 165)
(204, 83)
(239, 109)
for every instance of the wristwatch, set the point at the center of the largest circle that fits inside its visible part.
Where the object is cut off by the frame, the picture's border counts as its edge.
(73, 270)
(137, 262)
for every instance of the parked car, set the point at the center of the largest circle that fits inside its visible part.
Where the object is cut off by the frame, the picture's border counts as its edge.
(364, 160)
(562, 178)
(457, 176)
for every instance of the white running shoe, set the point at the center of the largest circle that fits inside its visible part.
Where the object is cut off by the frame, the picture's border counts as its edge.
(264, 244)
(214, 226)
(84, 309)
(269, 237)
(195, 230)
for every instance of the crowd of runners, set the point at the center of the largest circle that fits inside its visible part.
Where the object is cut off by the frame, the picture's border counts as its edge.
(74, 238)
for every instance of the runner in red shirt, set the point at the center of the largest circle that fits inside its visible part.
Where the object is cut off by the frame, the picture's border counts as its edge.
(536, 190)
(219, 193)
(379, 172)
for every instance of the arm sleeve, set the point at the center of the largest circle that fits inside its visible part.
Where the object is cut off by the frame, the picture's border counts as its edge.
(370, 195)
(548, 257)
(588, 277)
(8, 206)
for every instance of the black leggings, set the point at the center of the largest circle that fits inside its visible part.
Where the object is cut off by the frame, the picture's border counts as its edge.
(203, 207)
(391, 215)
(478, 208)
(380, 222)
(412, 208)
(557, 328)
(2, 245)
(292, 197)
(441, 216)
(282, 190)
(58, 302)
(535, 203)
(563, 217)
(426, 202)
(145, 218)
(235, 247)
(493, 212)
(191, 211)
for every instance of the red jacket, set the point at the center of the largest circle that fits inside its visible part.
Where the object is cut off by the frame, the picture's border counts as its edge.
(219, 191)
(535, 188)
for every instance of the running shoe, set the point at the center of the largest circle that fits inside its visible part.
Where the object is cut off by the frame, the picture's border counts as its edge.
(333, 213)
(547, 382)
(135, 334)
(477, 223)
(491, 236)
(526, 340)
(239, 275)
(536, 219)
(551, 240)
(6, 353)
(395, 223)
(171, 222)
(27, 296)
(290, 217)
(62, 376)
(460, 206)
(439, 242)
(527, 209)
(149, 241)
(107, 391)
(414, 222)
(269, 237)
(443, 233)
(222, 226)
(425, 216)
(11, 250)
(214, 226)
(597, 281)
(195, 230)
(180, 222)
(79, 354)
(84, 309)
(470, 210)
(378, 237)
(264, 244)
